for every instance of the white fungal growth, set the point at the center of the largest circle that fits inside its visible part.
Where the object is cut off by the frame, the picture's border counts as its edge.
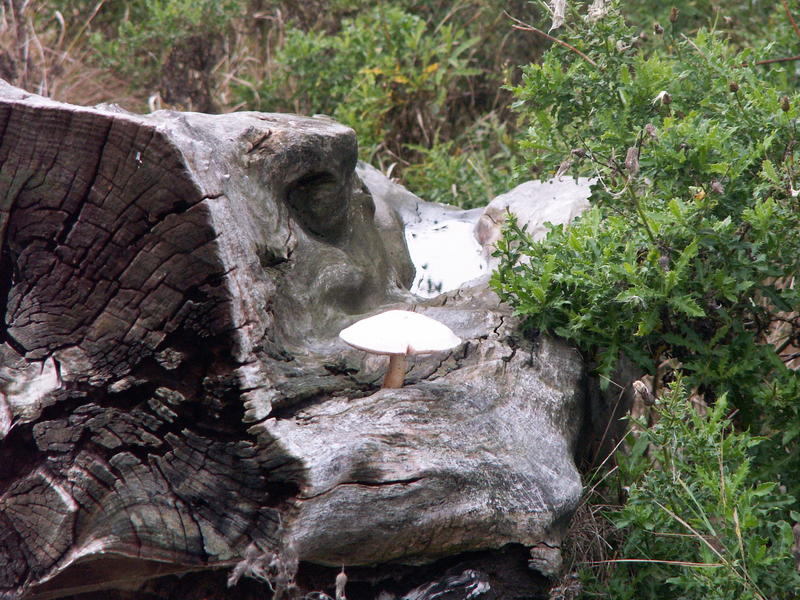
(399, 333)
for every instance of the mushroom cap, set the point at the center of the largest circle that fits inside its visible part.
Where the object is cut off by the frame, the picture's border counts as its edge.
(400, 332)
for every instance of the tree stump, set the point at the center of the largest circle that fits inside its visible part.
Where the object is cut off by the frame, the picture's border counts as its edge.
(174, 398)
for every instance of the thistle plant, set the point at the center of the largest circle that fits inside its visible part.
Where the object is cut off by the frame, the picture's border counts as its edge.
(689, 253)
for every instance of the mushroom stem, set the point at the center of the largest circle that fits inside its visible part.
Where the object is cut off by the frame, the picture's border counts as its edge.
(396, 373)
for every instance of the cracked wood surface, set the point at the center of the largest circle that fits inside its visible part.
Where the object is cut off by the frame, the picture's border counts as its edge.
(173, 395)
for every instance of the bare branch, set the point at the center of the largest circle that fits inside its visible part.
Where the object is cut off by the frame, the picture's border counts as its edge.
(522, 26)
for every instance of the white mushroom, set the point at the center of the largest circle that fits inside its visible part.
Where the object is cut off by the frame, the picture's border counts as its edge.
(399, 333)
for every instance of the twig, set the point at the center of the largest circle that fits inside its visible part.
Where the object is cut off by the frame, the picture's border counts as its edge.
(522, 26)
(775, 60)
(605, 432)
(447, 17)
(680, 563)
(731, 566)
(758, 62)
(642, 214)
(791, 19)
(83, 27)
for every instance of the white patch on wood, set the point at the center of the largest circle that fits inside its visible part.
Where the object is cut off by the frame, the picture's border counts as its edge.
(22, 395)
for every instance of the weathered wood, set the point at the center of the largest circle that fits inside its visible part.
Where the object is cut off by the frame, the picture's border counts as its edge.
(173, 396)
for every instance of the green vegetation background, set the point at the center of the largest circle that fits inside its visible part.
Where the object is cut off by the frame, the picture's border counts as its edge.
(686, 115)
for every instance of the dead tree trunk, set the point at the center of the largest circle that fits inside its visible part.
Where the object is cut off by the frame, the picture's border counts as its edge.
(173, 397)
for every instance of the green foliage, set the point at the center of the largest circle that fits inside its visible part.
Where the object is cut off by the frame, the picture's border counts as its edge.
(469, 170)
(688, 255)
(384, 71)
(404, 76)
(695, 219)
(136, 43)
(698, 526)
(743, 22)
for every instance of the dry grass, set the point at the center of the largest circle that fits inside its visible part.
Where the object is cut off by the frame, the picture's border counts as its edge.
(590, 543)
(46, 53)
(42, 54)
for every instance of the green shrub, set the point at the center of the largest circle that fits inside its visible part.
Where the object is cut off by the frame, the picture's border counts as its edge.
(695, 221)
(469, 170)
(688, 254)
(137, 43)
(698, 526)
(386, 73)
